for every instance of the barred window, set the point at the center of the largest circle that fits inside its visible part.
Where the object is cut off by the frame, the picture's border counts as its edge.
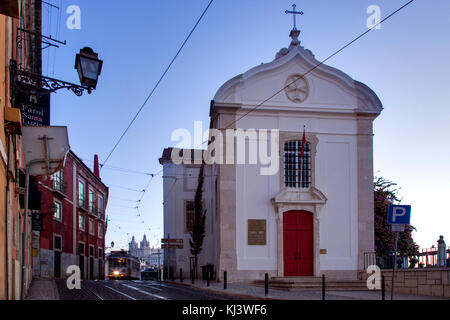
(91, 227)
(58, 180)
(297, 169)
(100, 230)
(81, 222)
(58, 212)
(190, 215)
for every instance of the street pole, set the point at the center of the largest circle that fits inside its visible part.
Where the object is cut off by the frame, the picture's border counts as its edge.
(395, 265)
(24, 234)
(159, 265)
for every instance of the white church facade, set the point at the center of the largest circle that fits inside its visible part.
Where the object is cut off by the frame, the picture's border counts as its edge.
(313, 216)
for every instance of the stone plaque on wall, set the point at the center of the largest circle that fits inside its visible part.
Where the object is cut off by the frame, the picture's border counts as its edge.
(256, 232)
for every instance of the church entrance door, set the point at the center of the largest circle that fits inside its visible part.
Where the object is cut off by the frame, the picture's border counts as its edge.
(298, 243)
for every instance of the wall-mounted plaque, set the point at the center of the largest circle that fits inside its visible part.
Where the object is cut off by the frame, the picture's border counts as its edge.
(35, 108)
(256, 232)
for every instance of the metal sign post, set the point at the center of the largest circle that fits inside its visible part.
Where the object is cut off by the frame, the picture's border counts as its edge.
(395, 265)
(398, 217)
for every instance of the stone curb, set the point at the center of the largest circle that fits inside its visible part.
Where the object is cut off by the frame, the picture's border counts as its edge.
(223, 292)
(52, 294)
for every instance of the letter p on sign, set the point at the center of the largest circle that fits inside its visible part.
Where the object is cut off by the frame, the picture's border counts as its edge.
(399, 214)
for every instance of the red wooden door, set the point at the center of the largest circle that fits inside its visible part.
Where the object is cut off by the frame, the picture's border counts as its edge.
(298, 243)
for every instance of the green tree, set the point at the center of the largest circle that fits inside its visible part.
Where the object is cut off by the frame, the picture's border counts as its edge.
(198, 230)
(385, 194)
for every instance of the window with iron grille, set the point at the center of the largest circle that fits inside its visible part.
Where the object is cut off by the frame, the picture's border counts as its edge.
(100, 230)
(297, 169)
(81, 198)
(81, 222)
(100, 205)
(190, 215)
(91, 227)
(58, 212)
(91, 200)
(58, 181)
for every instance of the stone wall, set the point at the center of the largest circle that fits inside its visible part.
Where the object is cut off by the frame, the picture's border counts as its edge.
(423, 282)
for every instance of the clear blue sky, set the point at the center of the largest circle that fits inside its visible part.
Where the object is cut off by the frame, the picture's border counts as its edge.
(406, 63)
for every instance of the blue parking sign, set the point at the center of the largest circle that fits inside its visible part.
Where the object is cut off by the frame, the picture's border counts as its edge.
(398, 214)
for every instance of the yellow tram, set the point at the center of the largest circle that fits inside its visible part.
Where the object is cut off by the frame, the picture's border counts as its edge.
(122, 265)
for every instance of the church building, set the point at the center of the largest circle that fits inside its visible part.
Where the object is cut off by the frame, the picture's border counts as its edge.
(315, 214)
(149, 256)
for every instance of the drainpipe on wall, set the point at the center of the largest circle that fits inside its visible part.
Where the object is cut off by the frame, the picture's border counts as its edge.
(25, 235)
(7, 211)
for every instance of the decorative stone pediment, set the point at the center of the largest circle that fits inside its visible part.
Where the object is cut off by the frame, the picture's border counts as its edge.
(319, 86)
(288, 196)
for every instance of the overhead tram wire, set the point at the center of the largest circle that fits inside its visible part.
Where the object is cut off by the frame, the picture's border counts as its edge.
(260, 104)
(125, 170)
(319, 64)
(157, 84)
(140, 200)
(123, 199)
(312, 69)
(125, 188)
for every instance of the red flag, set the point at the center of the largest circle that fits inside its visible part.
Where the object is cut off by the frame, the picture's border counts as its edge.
(302, 150)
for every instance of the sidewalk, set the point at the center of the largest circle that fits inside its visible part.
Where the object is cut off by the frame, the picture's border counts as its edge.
(251, 291)
(42, 289)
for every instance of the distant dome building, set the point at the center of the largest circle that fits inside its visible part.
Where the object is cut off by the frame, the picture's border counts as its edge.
(147, 255)
(132, 246)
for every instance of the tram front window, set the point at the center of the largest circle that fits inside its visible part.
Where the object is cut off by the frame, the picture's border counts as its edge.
(118, 263)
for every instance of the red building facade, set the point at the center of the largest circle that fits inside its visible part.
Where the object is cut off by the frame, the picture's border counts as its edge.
(73, 222)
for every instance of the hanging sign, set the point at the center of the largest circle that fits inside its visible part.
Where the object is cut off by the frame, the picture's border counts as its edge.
(35, 108)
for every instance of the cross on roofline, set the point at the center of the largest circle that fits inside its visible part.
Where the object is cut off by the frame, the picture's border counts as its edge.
(294, 13)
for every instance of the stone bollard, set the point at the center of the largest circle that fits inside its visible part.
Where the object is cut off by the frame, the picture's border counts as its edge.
(224, 280)
(266, 284)
(442, 252)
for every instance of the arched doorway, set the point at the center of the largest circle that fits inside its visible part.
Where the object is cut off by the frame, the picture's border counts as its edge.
(298, 243)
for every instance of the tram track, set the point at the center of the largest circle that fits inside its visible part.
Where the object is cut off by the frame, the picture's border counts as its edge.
(84, 288)
(133, 290)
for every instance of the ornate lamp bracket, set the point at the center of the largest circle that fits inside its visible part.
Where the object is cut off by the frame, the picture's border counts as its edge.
(35, 84)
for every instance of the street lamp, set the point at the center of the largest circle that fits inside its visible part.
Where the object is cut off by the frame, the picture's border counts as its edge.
(88, 66)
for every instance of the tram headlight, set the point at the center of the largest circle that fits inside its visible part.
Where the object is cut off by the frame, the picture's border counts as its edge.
(116, 272)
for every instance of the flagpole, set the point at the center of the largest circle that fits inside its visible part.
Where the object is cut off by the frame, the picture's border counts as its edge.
(302, 150)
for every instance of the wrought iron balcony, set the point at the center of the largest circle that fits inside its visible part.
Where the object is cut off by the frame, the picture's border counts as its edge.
(92, 208)
(83, 204)
(101, 215)
(60, 187)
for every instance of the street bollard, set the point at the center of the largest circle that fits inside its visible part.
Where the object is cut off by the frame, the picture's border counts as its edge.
(224, 280)
(323, 287)
(266, 284)
(192, 276)
(207, 278)
(383, 288)
(181, 275)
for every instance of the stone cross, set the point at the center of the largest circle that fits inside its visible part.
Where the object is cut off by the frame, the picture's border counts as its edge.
(294, 13)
